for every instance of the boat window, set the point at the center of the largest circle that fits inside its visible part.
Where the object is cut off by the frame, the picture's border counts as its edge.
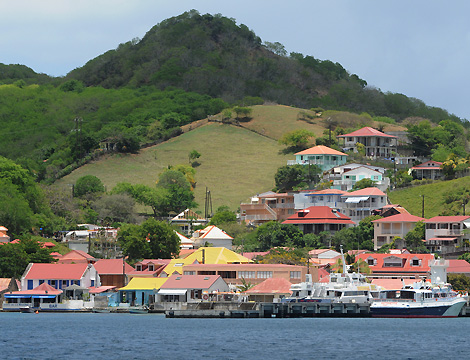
(407, 295)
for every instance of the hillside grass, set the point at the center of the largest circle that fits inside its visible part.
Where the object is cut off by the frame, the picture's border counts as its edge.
(275, 120)
(235, 164)
(434, 197)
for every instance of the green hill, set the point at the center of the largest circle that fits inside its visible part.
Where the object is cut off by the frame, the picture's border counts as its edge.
(440, 198)
(235, 164)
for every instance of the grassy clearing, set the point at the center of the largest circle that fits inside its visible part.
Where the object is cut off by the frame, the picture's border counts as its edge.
(235, 164)
(434, 196)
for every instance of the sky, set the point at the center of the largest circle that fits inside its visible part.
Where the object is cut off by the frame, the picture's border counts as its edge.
(419, 48)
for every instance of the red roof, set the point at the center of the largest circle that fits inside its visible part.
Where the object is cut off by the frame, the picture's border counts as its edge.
(42, 289)
(328, 192)
(321, 150)
(100, 289)
(370, 191)
(112, 267)
(446, 219)
(406, 261)
(318, 215)
(367, 131)
(76, 256)
(458, 266)
(391, 284)
(56, 271)
(428, 165)
(271, 286)
(190, 281)
(252, 255)
(442, 239)
(402, 217)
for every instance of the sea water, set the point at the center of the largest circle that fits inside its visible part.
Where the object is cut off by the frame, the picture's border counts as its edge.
(152, 336)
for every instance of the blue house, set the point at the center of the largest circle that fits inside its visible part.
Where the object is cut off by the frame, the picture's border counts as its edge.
(322, 156)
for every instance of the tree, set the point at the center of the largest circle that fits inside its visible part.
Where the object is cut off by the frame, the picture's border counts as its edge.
(15, 212)
(293, 177)
(363, 183)
(244, 111)
(179, 196)
(465, 257)
(297, 139)
(459, 282)
(273, 234)
(414, 239)
(193, 155)
(116, 208)
(88, 184)
(223, 216)
(153, 239)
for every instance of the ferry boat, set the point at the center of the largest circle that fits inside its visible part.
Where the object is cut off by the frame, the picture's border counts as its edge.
(341, 288)
(422, 299)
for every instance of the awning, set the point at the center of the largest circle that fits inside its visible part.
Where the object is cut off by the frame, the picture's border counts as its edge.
(172, 291)
(356, 199)
(11, 296)
(43, 296)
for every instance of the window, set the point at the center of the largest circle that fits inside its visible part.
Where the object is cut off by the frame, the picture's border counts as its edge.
(295, 274)
(415, 262)
(30, 284)
(246, 274)
(138, 267)
(370, 261)
(264, 274)
(151, 267)
(64, 283)
(52, 282)
(92, 282)
(189, 273)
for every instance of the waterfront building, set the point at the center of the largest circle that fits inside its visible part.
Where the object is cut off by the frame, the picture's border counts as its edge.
(113, 272)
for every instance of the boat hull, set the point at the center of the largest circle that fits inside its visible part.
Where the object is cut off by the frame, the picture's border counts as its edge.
(417, 310)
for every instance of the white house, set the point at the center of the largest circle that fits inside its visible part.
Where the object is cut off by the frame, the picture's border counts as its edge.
(345, 176)
(212, 235)
(376, 143)
(361, 203)
(327, 197)
(59, 276)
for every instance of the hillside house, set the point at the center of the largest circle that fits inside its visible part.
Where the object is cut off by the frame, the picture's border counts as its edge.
(386, 229)
(345, 177)
(75, 257)
(445, 234)
(376, 143)
(322, 156)
(4, 238)
(428, 170)
(186, 220)
(269, 206)
(327, 197)
(362, 203)
(315, 219)
(212, 235)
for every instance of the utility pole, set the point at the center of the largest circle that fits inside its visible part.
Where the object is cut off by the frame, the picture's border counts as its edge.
(463, 204)
(422, 207)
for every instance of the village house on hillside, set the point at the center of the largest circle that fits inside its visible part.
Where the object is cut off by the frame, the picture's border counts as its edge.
(428, 170)
(362, 203)
(344, 177)
(376, 143)
(4, 238)
(322, 156)
(316, 219)
(212, 235)
(445, 234)
(269, 206)
(186, 220)
(388, 228)
(327, 197)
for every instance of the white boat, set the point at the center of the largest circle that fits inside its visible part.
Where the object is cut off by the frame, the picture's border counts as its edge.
(433, 298)
(341, 288)
(421, 299)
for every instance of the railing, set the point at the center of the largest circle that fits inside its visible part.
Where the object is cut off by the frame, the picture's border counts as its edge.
(259, 217)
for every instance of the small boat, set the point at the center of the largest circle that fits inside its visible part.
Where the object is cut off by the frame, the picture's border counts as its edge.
(26, 309)
(142, 310)
(101, 311)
